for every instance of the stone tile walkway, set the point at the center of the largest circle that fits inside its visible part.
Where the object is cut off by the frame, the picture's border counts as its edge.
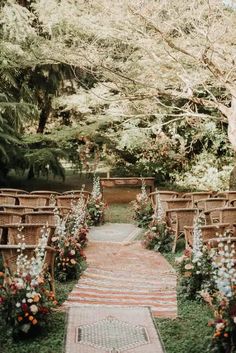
(97, 329)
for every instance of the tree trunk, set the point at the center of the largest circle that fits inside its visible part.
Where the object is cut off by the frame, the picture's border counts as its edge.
(232, 123)
(44, 115)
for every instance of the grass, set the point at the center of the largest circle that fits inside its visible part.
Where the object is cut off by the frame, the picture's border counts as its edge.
(189, 332)
(119, 213)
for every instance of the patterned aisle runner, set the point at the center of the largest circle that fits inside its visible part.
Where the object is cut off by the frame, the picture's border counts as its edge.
(122, 274)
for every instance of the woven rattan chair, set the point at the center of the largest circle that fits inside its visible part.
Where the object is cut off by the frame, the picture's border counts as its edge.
(44, 193)
(164, 195)
(178, 203)
(229, 195)
(41, 218)
(226, 215)
(177, 219)
(16, 209)
(33, 200)
(9, 217)
(12, 191)
(211, 203)
(32, 233)
(67, 200)
(208, 232)
(195, 196)
(10, 253)
(7, 199)
(86, 194)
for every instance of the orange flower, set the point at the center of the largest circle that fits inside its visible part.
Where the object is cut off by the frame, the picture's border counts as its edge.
(20, 318)
(26, 314)
(36, 298)
(55, 302)
(34, 322)
(1, 274)
(226, 334)
(31, 318)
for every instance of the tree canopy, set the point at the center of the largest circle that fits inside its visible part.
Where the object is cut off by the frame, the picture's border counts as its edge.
(148, 86)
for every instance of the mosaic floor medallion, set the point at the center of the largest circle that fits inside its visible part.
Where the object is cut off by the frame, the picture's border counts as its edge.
(112, 335)
(105, 329)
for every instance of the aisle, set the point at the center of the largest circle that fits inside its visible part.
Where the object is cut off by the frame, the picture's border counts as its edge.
(125, 274)
(111, 308)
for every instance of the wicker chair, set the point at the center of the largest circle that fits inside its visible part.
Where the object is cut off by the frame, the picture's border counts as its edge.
(7, 199)
(178, 218)
(9, 218)
(44, 193)
(32, 233)
(86, 194)
(178, 203)
(10, 253)
(66, 200)
(16, 209)
(41, 218)
(164, 195)
(33, 200)
(226, 215)
(195, 196)
(12, 191)
(208, 232)
(211, 203)
(229, 195)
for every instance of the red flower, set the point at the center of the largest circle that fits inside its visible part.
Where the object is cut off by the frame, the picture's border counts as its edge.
(24, 307)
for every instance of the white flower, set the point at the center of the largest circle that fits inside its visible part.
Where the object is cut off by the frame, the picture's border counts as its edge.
(34, 308)
(18, 305)
(220, 326)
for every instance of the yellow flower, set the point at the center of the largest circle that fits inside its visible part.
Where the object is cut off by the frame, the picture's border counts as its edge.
(36, 298)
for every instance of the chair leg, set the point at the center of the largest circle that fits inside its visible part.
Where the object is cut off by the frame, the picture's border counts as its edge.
(175, 242)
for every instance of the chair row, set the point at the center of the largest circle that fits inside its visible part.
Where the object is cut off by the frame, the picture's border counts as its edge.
(40, 192)
(179, 219)
(41, 200)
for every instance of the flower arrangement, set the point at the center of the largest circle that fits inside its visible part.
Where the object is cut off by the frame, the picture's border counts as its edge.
(159, 237)
(224, 324)
(69, 240)
(25, 303)
(96, 207)
(142, 207)
(196, 274)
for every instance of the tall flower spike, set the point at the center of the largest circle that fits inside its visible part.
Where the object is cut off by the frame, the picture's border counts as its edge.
(160, 210)
(144, 195)
(197, 239)
(223, 263)
(96, 191)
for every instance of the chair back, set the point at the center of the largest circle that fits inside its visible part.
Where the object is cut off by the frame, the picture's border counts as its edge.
(32, 233)
(211, 203)
(9, 217)
(195, 196)
(7, 199)
(178, 203)
(48, 218)
(12, 191)
(16, 209)
(33, 200)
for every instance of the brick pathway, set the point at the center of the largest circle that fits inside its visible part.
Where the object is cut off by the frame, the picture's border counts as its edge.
(126, 274)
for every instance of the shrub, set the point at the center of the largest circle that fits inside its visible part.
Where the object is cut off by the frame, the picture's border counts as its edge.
(159, 237)
(143, 210)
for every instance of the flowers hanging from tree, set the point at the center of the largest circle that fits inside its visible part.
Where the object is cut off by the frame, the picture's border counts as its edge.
(24, 301)
(96, 206)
